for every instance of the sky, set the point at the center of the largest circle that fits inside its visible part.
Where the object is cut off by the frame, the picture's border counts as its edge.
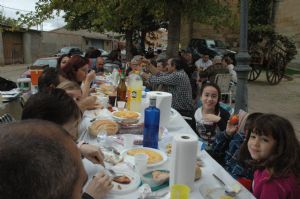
(10, 7)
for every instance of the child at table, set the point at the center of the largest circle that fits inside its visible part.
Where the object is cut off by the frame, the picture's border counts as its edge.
(274, 150)
(210, 118)
(226, 148)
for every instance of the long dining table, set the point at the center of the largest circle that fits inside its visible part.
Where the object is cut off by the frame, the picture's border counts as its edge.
(176, 125)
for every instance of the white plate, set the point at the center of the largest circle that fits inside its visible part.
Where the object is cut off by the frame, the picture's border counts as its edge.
(98, 114)
(125, 188)
(130, 158)
(126, 120)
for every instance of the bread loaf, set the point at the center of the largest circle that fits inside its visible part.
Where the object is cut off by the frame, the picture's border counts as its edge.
(109, 126)
(197, 173)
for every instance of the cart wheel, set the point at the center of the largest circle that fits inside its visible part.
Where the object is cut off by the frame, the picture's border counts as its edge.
(275, 70)
(255, 64)
(255, 72)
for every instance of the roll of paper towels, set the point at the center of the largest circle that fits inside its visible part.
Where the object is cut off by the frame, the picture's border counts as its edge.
(163, 102)
(183, 160)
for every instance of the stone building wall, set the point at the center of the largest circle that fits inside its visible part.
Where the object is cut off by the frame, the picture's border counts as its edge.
(192, 29)
(287, 22)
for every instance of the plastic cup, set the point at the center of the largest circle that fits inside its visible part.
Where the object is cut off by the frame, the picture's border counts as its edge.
(140, 162)
(128, 140)
(103, 100)
(121, 105)
(24, 84)
(180, 191)
(101, 138)
(35, 74)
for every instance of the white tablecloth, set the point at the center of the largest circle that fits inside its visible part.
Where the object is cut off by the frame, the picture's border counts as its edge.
(177, 125)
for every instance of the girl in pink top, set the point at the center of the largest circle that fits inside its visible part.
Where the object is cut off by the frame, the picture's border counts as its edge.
(274, 150)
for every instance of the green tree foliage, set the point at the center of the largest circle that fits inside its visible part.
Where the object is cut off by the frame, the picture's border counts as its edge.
(11, 24)
(261, 31)
(120, 16)
(129, 16)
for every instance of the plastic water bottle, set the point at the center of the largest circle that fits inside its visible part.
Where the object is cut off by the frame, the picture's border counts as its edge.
(134, 92)
(151, 125)
(115, 77)
(144, 104)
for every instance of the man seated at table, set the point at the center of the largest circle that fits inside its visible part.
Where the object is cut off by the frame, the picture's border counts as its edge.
(217, 68)
(203, 63)
(135, 64)
(178, 84)
(29, 163)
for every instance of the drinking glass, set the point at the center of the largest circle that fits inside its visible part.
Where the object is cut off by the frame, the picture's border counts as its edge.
(101, 138)
(121, 105)
(140, 162)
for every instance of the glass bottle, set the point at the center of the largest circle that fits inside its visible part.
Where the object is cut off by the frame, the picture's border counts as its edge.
(151, 125)
(122, 88)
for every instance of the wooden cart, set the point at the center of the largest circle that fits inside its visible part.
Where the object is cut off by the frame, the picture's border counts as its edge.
(269, 56)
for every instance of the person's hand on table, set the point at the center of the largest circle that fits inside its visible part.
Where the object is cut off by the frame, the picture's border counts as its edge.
(211, 118)
(92, 153)
(99, 186)
(90, 76)
(89, 103)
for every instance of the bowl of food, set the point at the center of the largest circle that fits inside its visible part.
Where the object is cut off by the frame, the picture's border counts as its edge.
(125, 116)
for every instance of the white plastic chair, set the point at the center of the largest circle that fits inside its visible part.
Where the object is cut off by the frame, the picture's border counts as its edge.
(223, 81)
(6, 118)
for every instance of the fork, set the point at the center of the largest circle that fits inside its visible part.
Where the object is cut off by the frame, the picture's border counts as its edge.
(112, 172)
(228, 190)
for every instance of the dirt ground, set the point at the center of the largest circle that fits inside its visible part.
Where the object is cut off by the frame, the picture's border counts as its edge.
(282, 99)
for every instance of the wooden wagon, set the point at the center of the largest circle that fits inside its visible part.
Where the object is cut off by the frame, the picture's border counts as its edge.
(271, 56)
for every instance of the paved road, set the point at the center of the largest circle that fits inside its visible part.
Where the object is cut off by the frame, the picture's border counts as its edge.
(282, 99)
(13, 72)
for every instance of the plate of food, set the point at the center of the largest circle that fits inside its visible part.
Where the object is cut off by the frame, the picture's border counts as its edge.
(107, 89)
(155, 177)
(125, 116)
(109, 126)
(124, 182)
(155, 156)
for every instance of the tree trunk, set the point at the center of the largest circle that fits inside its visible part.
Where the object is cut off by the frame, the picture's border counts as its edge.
(129, 45)
(173, 32)
(143, 38)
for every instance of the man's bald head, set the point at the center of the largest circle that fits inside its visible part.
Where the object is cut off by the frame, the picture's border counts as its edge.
(38, 159)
